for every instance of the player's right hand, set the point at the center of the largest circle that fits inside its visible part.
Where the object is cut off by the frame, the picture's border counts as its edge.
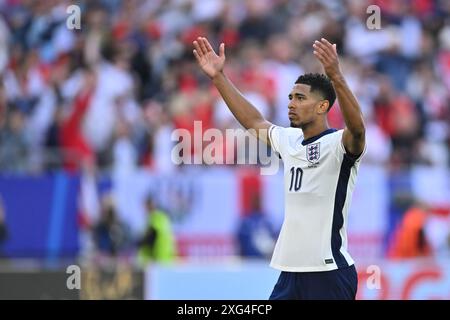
(211, 63)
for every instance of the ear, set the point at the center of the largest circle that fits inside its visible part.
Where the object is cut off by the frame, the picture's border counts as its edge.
(323, 106)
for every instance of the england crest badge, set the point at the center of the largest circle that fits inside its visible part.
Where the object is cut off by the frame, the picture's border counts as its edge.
(313, 152)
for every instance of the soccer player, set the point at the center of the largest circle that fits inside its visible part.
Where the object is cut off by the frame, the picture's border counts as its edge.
(320, 168)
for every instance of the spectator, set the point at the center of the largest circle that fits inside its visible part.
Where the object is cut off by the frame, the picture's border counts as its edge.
(437, 229)
(72, 138)
(110, 234)
(158, 243)
(410, 239)
(13, 145)
(139, 53)
(138, 50)
(256, 236)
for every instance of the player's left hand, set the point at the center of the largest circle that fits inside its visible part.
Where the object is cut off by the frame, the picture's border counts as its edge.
(326, 53)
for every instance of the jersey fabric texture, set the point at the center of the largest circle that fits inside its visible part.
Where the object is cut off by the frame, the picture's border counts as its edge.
(319, 178)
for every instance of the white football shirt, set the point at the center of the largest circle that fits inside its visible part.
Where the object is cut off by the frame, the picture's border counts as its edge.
(319, 178)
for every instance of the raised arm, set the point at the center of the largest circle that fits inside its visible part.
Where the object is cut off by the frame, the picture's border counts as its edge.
(354, 132)
(212, 64)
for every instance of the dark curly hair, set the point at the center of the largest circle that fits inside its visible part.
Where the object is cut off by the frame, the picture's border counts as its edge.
(321, 83)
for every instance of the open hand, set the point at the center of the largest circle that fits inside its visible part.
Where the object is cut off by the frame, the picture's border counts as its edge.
(326, 53)
(211, 63)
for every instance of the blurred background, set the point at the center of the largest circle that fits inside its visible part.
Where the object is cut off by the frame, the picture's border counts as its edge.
(86, 123)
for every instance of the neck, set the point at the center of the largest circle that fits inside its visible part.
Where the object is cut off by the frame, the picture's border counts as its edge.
(313, 129)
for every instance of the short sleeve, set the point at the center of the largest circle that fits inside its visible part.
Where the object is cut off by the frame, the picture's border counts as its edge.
(341, 149)
(275, 133)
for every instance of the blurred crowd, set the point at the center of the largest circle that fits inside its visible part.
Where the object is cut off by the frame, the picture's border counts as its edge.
(110, 93)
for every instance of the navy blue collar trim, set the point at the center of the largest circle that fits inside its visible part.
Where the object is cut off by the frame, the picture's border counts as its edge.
(320, 135)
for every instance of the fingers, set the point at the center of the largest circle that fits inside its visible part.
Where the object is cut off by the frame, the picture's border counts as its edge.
(326, 42)
(325, 51)
(324, 46)
(197, 56)
(198, 53)
(320, 57)
(202, 42)
(320, 49)
(321, 53)
(207, 44)
(202, 46)
(222, 50)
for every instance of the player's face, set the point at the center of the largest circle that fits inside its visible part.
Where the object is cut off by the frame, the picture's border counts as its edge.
(302, 108)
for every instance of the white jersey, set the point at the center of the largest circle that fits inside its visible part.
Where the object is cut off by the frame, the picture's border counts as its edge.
(319, 178)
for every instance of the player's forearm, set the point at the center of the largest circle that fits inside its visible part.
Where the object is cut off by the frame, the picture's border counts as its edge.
(350, 109)
(239, 106)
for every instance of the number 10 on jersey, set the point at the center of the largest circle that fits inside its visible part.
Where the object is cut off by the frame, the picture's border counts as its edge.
(296, 179)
